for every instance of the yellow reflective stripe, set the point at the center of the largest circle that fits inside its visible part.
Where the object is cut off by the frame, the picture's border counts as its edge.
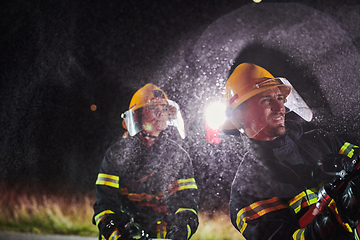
(182, 184)
(357, 235)
(257, 210)
(348, 149)
(161, 229)
(299, 234)
(189, 186)
(108, 180)
(114, 235)
(186, 209)
(243, 227)
(303, 199)
(102, 215)
(188, 231)
(343, 148)
(332, 206)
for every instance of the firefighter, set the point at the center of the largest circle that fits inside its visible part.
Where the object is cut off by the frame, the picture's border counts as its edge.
(146, 185)
(283, 167)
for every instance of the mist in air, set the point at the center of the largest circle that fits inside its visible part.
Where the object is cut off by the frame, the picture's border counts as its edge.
(69, 69)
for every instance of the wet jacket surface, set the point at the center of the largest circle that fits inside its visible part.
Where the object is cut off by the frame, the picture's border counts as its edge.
(278, 180)
(155, 185)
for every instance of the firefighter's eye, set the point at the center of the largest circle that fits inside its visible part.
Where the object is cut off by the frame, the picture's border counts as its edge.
(265, 101)
(281, 98)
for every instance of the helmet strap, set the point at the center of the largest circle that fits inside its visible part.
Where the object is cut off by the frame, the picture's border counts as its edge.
(148, 135)
(238, 126)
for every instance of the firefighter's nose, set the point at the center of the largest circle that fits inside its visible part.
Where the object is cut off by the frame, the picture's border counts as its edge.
(159, 112)
(277, 105)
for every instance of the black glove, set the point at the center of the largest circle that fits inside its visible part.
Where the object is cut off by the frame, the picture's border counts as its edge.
(113, 224)
(325, 226)
(177, 230)
(132, 229)
(348, 203)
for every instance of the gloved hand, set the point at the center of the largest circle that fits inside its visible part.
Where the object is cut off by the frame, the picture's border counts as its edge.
(177, 230)
(325, 226)
(132, 230)
(113, 225)
(348, 203)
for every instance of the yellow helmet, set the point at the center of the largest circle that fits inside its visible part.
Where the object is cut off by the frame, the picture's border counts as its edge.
(151, 95)
(148, 95)
(246, 81)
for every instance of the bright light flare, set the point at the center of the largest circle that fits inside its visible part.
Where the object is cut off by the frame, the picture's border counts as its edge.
(257, 1)
(215, 114)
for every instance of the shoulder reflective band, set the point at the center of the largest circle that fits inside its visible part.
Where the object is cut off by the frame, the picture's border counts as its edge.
(99, 217)
(348, 149)
(304, 199)
(186, 209)
(182, 184)
(257, 210)
(107, 180)
(299, 234)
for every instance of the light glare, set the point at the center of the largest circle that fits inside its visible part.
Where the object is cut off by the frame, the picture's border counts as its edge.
(215, 114)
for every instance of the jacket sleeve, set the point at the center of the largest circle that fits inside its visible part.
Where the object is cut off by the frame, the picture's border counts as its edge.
(273, 218)
(107, 208)
(259, 217)
(183, 196)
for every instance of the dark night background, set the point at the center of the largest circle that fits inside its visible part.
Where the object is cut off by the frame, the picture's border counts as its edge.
(60, 57)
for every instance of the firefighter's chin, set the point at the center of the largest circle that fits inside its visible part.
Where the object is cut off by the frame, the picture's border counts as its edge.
(157, 128)
(279, 131)
(161, 126)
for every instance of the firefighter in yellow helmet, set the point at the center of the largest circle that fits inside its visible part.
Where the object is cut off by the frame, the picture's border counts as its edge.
(146, 186)
(282, 167)
(150, 98)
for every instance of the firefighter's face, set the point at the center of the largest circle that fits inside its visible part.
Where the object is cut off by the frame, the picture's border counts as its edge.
(265, 115)
(154, 118)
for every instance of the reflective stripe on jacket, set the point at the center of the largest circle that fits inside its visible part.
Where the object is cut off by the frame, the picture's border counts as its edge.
(277, 182)
(151, 184)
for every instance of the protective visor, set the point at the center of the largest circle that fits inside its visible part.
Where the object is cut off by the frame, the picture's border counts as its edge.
(131, 118)
(295, 103)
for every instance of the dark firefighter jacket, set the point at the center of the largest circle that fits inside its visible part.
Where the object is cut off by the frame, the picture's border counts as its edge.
(155, 185)
(278, 180)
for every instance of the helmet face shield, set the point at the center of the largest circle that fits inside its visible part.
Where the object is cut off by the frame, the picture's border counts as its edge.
(295, 103)
(251, 118)
(133, 122)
